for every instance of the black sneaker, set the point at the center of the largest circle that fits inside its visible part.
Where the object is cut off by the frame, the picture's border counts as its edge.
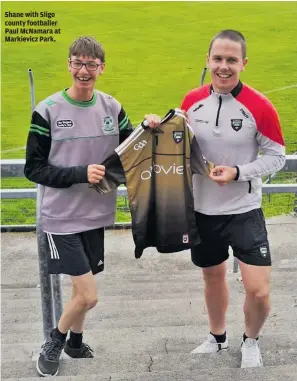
(84, 352)
(48, 361)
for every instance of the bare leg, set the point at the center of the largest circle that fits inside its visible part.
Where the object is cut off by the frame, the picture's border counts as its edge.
(256, 281)
(78, 326)
(216, 296)
(84, 297)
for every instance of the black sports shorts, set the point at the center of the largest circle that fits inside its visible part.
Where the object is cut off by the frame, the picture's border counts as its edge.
(246, 233)
(76, 254)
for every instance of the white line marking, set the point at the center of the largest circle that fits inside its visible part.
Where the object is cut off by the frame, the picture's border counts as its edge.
(280, 89)
(13, 149)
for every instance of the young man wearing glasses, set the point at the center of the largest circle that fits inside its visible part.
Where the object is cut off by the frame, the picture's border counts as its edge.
(70, 133)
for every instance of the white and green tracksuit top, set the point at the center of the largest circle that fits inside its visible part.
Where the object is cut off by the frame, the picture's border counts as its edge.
(65, 137)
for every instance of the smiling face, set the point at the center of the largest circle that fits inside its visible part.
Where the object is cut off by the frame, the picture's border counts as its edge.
(225, 62)
(85, 71)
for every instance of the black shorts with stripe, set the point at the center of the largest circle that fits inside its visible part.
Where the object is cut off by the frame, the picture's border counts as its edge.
(246, 233)
(76, 254)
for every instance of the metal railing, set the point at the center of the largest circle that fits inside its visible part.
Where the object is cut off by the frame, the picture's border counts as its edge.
(15, 168)
(50, 285)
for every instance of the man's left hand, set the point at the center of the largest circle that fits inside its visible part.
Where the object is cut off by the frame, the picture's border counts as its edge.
(222, 174)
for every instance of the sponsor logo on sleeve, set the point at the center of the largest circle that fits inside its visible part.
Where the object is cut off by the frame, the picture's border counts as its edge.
(198, 107)
(49, 102)
(244, 113)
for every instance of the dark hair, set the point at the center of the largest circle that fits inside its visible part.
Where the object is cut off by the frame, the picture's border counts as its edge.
(232, 35)
(87, 46)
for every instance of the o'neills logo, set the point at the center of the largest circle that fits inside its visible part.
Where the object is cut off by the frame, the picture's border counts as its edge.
(164, 170)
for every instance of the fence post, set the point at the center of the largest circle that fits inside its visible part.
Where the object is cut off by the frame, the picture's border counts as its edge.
(57, 297)
(45, 280)
(50, 286)
(295, 204)
(294, 213)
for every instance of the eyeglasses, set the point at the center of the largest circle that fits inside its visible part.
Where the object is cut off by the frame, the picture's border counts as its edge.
(90, 66)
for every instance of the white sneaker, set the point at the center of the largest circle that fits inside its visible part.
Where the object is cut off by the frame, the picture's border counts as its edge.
(251, 355)
(210, 345)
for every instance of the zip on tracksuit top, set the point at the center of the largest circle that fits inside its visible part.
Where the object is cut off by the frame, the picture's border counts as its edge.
(65, 137)
(232, 130)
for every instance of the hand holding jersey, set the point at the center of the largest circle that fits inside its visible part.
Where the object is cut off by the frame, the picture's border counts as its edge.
(153, 120)
(157, 166)
(223, 174)
(96, 173)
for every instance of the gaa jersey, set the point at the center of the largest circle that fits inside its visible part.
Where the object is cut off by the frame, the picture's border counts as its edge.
(233, 129)
(157, 166)
(66, 136)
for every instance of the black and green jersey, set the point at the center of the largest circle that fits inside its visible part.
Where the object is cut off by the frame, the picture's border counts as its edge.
(157, 167)
(66, 136)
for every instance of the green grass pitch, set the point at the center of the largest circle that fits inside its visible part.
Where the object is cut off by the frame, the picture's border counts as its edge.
(155, 52)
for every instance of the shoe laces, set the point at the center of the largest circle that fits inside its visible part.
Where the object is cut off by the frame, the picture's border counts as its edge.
(251, 350)
(52, 349)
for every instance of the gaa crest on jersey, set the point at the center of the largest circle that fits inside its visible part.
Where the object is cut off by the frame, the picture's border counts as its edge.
(236, 124)
(108, 125)
(178, 136)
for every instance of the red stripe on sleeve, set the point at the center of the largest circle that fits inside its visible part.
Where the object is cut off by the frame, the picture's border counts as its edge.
(265, 114)
(195, 96)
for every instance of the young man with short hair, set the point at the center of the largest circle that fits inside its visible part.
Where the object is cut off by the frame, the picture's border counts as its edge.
(232, 123)
(71, 133)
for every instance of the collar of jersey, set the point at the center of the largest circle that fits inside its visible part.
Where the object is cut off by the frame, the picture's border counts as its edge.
(89, 103)
(235, 92)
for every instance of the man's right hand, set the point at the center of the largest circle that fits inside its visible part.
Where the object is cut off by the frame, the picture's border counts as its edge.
(153, 120)
(96, 173)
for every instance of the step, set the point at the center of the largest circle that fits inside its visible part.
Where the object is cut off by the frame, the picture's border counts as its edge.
(123, 363)
(151, 342)
(152, 335)
(267, 373)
